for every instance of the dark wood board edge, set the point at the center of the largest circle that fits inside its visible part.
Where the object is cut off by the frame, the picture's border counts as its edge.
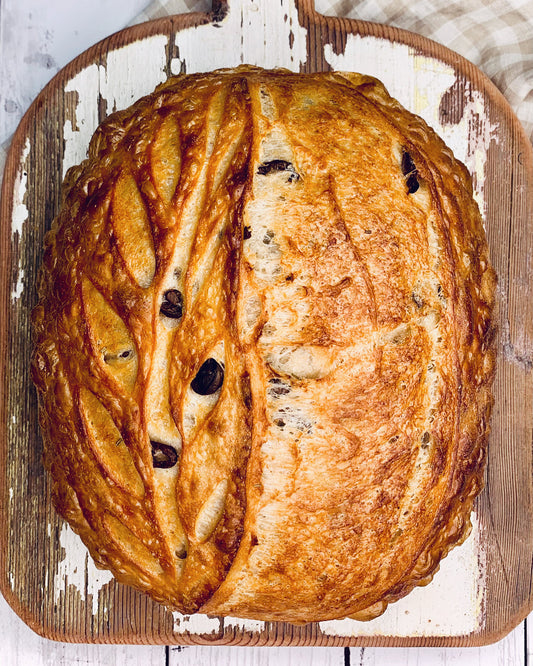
(316, 25)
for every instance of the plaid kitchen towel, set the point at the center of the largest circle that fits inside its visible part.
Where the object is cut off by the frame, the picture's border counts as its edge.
(496, 35)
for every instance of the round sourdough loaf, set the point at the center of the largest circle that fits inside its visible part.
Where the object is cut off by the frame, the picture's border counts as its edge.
(264, 346)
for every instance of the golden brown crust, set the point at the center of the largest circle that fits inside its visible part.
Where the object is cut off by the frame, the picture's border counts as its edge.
(320, 248)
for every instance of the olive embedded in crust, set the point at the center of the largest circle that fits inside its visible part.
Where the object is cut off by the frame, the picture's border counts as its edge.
(410, 172)
(412, 183)
(164, 456)
(209, 378)
(172, 305)
(278, 165)
(408, 166)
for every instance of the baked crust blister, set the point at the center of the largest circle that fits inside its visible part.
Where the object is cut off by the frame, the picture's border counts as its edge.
(264, 346)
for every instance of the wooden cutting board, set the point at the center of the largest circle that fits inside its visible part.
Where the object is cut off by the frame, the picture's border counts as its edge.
(484, 587)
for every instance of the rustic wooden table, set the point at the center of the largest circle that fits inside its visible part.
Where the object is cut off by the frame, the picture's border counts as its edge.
(36, 40)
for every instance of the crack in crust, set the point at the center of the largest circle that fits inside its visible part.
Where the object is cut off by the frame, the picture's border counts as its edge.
(264, 358)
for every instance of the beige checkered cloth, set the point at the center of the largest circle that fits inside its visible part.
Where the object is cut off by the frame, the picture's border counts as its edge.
(496, 35)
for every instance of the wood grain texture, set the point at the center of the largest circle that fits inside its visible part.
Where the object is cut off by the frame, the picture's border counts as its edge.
(31, 549)
(21, 646)
(508, 651)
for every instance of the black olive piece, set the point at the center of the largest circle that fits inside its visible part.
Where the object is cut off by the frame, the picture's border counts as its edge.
(246, 233)
(409, 170)
(209, 378)
(120, 356)
(172, 305)
(412, 183)
(182, 553)
(408, 166)
(274, 165)
(278, 165)
(163, 455)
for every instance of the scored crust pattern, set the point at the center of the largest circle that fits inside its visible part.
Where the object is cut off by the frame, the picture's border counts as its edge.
(264, 346)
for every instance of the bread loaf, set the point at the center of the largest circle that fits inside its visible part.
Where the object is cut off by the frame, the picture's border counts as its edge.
(264, 346)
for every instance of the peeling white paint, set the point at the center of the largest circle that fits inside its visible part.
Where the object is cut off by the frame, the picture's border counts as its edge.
(119, 83)
(19, 285)
(11, 493)
(77, 137)
(245, 625)
(20, 210)
(480, 132)
(251, 33)
(195, 624)
(20, 214)
(78, 570)
(133, 71)
(416, 81)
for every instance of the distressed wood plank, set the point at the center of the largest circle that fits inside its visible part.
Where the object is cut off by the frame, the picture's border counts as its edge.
(21, 646)
(256, 656)
(508, 651)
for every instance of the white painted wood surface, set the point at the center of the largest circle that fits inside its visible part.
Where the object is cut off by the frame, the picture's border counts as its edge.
(36, 39)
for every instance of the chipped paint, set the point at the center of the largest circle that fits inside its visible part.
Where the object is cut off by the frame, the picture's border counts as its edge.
(20, 210)
(475, 125)
(245, 625)
(416, 81)
(235, 40)
(195, 624)
(77, 570)
(77, 137)
(117, 83)
(20, 214)
(17, 290)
